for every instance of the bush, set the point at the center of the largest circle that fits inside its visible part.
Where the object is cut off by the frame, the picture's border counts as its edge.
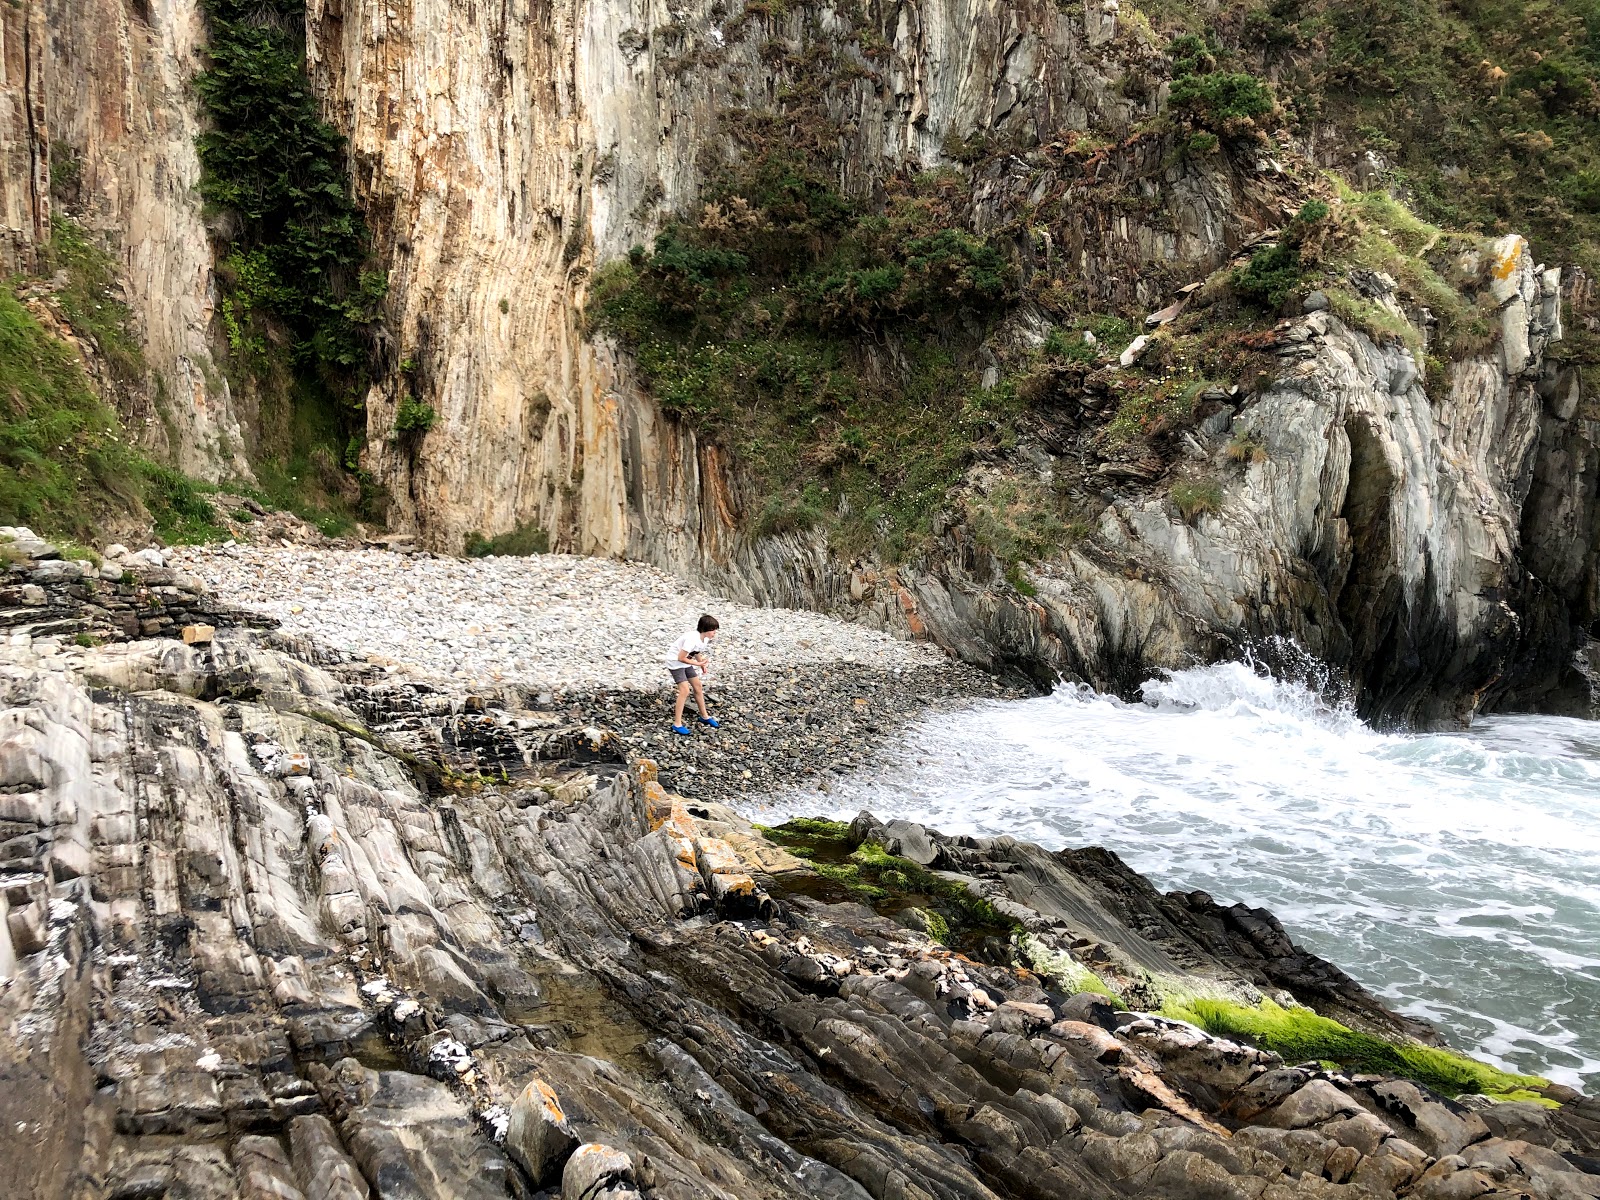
(1224, 101)
(1272, 273)
(1190, 56)
(763, 323)
(519, 543)
(413, 416)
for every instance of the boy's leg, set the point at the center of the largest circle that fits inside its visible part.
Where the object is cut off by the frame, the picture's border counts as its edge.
(699, 697)
(683, 694)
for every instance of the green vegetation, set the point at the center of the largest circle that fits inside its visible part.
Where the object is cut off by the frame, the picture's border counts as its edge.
(1246, 448)
(66, 467)
(413, 416)
(892, 885)
(1485, 112)
(763, 322)
(520, 542)
(298, 296)
(179, 508)
(1195, 497)
(1300, 1035)
(88, 300)
(1061, 969)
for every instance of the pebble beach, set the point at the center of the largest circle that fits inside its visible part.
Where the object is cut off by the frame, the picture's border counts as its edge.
(552, 621)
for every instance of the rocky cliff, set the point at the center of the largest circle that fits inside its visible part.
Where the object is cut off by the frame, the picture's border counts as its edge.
(99, 124)
(279, 925)
(506, 154)
(1420, 516)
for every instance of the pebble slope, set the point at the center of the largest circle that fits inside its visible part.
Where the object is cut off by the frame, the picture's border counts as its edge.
(552, 620)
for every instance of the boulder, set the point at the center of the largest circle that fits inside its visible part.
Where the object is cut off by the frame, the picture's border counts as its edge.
(596, 1170)
(538, 1136)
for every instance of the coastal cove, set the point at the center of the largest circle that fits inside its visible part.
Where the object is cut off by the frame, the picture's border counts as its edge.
(286, 919)
(1455, 874)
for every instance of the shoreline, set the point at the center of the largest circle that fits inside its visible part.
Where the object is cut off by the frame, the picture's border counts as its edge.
(311, 899)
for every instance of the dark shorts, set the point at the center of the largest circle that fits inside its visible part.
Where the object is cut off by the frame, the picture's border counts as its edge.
(684, 673)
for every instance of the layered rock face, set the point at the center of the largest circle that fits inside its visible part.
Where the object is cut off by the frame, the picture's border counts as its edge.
(245, 953)
(97, 120)
(283, 925)
(1376, 527)
(503, 155)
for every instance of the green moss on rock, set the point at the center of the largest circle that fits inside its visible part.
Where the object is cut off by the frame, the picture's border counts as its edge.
(1301, 1035)
(952, 913)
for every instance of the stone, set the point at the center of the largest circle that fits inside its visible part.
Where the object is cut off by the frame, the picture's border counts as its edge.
(59, 570)
(593, 1171)
(1026, 1019)
(538, 1137)
(1315, 301)
(1314, 1103)
(1088, 1041)
(1439, 1127)
(1135, 350)
(23, 541)
(198, 635)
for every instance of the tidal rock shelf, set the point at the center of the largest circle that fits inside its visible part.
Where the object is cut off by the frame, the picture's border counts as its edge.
(283, 924)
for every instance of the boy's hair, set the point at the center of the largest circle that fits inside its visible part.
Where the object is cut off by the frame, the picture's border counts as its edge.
(706, 624)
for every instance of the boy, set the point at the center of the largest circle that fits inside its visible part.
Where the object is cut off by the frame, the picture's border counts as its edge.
(686, 660)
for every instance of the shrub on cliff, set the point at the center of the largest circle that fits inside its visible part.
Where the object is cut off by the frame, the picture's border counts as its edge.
(762, 319)
(300, 297)
(1224, 102)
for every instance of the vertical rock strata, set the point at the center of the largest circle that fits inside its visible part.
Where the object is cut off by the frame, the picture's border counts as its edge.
(242, 953)
(505, 152)
(96, 106)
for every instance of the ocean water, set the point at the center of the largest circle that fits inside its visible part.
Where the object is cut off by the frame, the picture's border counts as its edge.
(1456, 875)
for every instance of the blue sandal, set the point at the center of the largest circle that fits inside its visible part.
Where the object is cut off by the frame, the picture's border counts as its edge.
(711, 721)
(683, 729)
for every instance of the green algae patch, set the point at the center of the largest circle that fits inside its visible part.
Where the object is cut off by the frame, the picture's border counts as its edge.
(1066, 972)
(951, 913)
(1300, 1035)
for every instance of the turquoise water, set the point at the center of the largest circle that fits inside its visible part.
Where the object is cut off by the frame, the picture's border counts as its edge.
(1456, 875)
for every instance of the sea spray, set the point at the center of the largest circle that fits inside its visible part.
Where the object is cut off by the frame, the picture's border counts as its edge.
(1457, 875)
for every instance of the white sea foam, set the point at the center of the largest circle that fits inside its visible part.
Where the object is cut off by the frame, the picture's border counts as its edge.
(1456, 875)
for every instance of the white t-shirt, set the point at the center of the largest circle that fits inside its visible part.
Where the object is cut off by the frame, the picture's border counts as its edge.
(689, 643)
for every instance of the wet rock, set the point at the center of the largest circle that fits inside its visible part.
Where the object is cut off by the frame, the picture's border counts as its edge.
(336, 965)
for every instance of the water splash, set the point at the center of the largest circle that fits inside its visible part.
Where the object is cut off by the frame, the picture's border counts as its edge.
(1456, 875)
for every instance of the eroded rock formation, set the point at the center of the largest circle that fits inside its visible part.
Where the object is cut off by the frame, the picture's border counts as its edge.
(254, 946)
(507, 154)
(97, 119)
